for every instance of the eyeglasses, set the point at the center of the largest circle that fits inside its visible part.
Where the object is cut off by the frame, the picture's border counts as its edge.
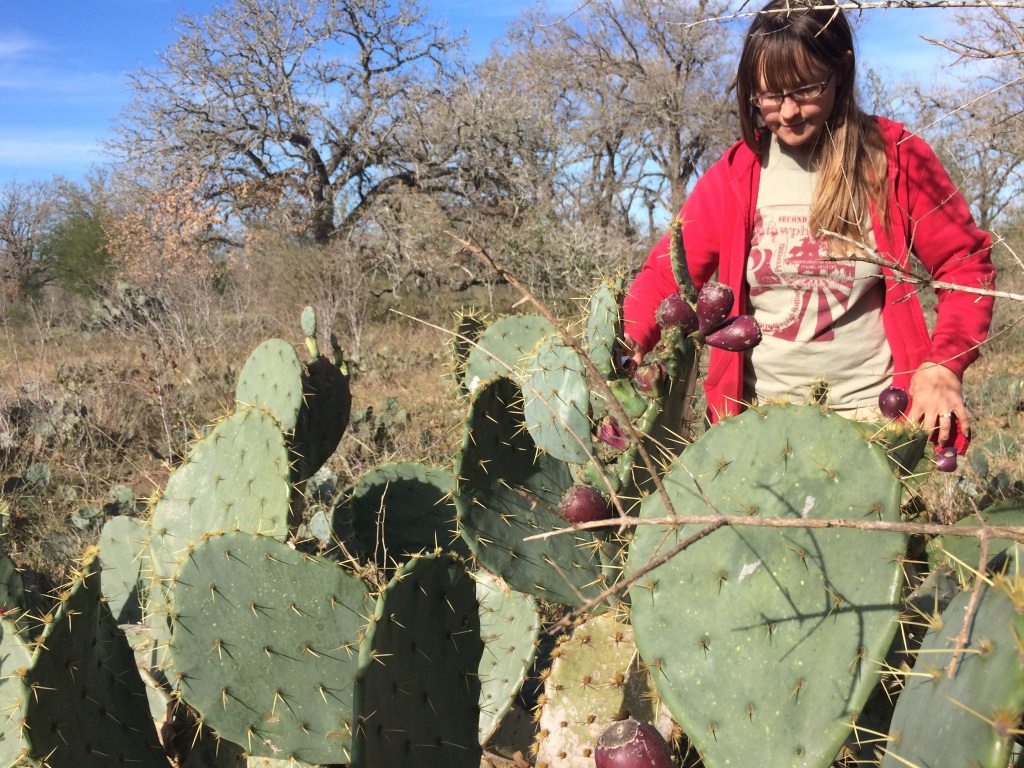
(803, 93)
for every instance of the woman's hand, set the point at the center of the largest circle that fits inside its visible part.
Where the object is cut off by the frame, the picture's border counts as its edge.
(632, 350)
(937, 399)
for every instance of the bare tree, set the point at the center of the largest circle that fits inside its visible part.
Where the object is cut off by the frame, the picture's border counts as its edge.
(315, 100)
(977, 124)
(25, 212)
(644, 98)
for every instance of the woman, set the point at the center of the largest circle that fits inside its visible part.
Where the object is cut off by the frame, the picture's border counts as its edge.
(784, 217)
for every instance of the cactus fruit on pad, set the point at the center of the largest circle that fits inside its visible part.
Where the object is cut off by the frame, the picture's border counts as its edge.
(971, 718)
(763, 642)
(506, 491)
(509, 626)
(417, 696)
(85, 704)
(595, 679)
(236, 478)
(265, 646)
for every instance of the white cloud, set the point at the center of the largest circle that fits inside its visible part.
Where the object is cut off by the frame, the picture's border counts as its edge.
(14, 45)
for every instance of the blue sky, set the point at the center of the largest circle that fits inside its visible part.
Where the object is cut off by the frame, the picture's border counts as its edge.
(62, 65)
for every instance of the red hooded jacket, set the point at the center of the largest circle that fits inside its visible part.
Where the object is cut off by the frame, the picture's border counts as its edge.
(928, 216)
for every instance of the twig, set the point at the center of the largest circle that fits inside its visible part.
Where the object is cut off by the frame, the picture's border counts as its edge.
(997, 531)
(972, 604)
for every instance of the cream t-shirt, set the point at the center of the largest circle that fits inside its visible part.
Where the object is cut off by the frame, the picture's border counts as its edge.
(820, 318)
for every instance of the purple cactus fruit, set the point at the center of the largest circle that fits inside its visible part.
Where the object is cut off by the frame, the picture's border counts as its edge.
(893, 402)
(676, 311)
(632, 744)
(647, 379)
(610, 433)
(584, 504)
(945, 459)
(714, 303)
(740, 333)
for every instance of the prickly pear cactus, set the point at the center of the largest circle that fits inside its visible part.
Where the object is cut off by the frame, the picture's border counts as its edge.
(762, 638)
(503, 347)
(417, 697)
(84, 702)
(507, 491)
(123, 558)
(400, 509)
(595, 679)
(972, 716)
(15, 660)
(265, 646)
(557, 401)
(963, 553)
(236, 478)
(509, 627)
(271, 379)
(604, 326)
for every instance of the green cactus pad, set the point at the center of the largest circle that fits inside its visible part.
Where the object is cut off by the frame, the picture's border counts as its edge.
(502, 349)
(762, 636)
(401, 509)
(557, 402)
(604, 327)
(509, 626)
(235, 478)
(271, 379)
(596, 678)
(507, 491)
(308, 321)
(265, 646)
(323, 417)
(88, 705)
(467, 331)
(963, 553)
(123, 554)
(417, 698)
(15, 660)
(969, 719)
(12, 587)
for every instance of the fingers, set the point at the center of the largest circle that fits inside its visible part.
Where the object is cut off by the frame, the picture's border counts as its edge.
(938, 404)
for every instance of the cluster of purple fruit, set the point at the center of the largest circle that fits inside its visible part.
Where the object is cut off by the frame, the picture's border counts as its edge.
(893, 402)
(709, 321)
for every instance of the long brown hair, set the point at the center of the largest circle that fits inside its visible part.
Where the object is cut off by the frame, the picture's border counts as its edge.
(783, 43)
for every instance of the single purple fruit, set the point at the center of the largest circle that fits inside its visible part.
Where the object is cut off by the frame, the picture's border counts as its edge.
(647, 379)
(610, 433)
(676, 311)
(632, 744)
(738, 334)
(945, 459)
(893, 402)
(714, 303)
(584, 504)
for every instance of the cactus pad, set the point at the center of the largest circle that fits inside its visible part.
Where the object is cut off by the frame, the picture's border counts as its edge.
(596, 678)
(235, 478)
(507, 491)
(509, 626)
(762, 636)
(271, 379)
(557, 401)
(970, 718)
(417, 697)
(265, 646)
(503, 347)
(124, 558)
(604, 327)
(88, 705)
(403, 508)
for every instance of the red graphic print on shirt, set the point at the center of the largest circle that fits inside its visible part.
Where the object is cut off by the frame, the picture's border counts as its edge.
(809, 290)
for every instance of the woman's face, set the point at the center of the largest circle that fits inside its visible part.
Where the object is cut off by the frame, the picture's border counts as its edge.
(797, 124)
